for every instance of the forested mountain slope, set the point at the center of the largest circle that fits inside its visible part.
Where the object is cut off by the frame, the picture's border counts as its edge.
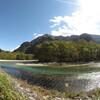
(28, 47)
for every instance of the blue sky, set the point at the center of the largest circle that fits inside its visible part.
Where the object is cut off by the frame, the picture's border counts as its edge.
(20, 20)
(24, 20)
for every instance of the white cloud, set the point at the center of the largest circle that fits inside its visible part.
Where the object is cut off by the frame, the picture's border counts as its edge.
(57, 20)
(64, 31)
(85, 20)
(37, 35)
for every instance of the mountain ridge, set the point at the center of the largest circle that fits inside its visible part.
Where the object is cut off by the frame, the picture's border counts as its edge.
(28, 47)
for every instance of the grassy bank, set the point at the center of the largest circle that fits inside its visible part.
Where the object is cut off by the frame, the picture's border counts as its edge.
(48, 94)
(7, 91)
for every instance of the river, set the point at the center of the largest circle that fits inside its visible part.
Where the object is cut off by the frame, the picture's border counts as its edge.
(76, 78)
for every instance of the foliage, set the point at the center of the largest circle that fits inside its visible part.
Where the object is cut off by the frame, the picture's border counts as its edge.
(71, 94)
(7, 91)
(15, 56)
(92, 95)
(67, 51)
(28, 47)
(23, 47)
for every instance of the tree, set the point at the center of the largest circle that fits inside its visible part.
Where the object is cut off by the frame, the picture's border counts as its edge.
(61, 51)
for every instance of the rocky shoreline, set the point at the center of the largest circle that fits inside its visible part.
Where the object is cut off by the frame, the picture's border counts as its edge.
(25, 92)
(28, 91)
(37, 93)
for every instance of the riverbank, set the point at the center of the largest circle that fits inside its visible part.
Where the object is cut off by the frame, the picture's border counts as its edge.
(16, 60)
(29, 92)
(36, 63)
(7, 89)
(32, 92)
(93, 63)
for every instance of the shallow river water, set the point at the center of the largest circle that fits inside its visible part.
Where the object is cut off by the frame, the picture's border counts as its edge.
(75, 78)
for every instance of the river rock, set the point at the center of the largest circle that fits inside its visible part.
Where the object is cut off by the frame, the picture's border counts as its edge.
(87, 98)
(34, 94)
(31, 98)
(44, 97)
(67, 99)
(57, 98)
(78, 98)
(27, 89)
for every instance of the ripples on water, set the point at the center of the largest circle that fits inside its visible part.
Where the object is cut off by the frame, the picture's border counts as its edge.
(77, 80)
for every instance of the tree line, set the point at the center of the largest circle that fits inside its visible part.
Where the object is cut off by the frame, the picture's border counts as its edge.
(15, 55)
(67, 51)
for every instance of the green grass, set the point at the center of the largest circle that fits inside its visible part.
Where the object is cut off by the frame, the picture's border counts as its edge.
(7, 91)
(94, 95)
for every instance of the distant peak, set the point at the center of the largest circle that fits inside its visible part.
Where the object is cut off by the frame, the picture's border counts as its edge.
(46, 35)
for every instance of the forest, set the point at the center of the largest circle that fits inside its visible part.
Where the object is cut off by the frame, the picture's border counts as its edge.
(7, 55)
(67, 51)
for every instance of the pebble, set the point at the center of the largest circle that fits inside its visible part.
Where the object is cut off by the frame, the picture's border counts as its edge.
(35, 94)
(56, 98)
(78, 98)
(31, 98)
(44, 97)
(66, 84)
(21, 88)
(27, 89)
(87, 98)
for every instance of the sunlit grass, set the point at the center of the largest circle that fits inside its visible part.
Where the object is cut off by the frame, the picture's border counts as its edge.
(7, 91)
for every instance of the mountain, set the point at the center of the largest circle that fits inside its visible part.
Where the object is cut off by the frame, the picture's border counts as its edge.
(28, 47)
(39, 40)
(96, 38)
(23, 47)
(1, 50)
